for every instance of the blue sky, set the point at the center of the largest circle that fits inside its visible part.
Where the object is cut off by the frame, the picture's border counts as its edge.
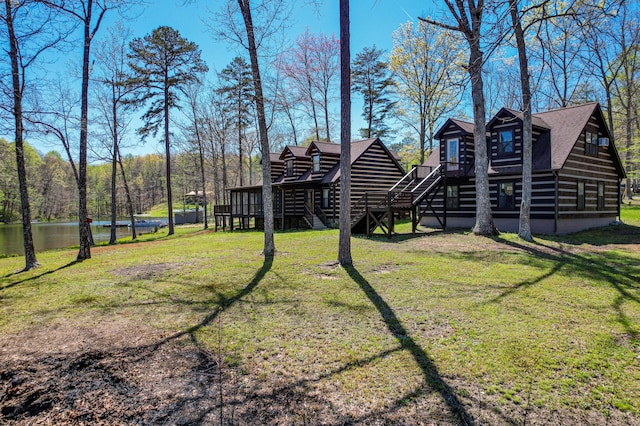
(372, 22)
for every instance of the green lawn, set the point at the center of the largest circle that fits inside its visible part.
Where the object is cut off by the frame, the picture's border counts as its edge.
(444, 327)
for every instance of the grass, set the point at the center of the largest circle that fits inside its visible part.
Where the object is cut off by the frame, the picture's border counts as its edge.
(551, 326)
(162, 210)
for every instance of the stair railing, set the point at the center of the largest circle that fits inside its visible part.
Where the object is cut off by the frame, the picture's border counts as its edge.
(308, 216)
(321, 215)
(369, 200)
(430, 182)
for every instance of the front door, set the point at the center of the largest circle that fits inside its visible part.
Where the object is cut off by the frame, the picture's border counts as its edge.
(453, 155)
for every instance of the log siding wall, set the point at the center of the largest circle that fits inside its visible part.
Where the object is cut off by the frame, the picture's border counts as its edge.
(591, 170)
(554, 193)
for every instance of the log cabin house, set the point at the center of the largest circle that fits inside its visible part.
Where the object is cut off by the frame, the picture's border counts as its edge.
(576, 172)
(576, 176)
(306, 185)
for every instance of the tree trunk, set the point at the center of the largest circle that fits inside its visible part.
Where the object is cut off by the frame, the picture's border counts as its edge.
(344, 247)
(29, 250)
(128, 195)
(225, 175)
(484, 220)
(524, 227)
(423, 136)
(114, 165)
(267, 195)
(313, 105)
(240, 141)
(628, 143)
(326, 116)
(167, 148)
(85, 230)
(203, 180)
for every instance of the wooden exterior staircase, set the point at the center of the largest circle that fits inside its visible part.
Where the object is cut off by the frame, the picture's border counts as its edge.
(378, 209)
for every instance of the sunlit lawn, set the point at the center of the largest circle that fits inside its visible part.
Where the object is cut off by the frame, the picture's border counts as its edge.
(551, 325)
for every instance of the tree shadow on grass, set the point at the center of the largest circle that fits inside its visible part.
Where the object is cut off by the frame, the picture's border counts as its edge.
(223, 303)
(35, 277)
(613, 234)
(612, 268)
(429, 370)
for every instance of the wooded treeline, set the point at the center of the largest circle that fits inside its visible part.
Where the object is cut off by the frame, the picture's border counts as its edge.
(207, 122)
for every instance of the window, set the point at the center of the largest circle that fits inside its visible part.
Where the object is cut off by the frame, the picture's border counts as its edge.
(453, 197)
(580, 196)
(505, 142)
(452, 154)
(600, 195)
(326, 192)
(289, 167)
(316, 162)
(506, 196)
(591, 144)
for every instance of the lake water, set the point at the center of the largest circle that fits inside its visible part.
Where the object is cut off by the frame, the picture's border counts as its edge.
(48, 236)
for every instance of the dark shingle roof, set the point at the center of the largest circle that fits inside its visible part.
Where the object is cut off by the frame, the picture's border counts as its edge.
(296, 151)
(434, 158)
(275, 157)
(464, 125)
(566, 125)
(535, 120)
(552, 148)
(324, 147)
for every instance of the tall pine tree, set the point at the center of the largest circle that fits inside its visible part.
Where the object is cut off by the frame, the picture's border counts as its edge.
(163, 64)
(236, 86)
(371, 78)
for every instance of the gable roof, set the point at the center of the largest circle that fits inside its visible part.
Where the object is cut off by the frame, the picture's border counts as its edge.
(465, 126)
(535, 120)
(358, 148)
(296, 151)
(566, 125)
(274, 157)
(324, 148)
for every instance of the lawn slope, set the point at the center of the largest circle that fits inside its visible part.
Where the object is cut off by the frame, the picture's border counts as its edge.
(444, 328)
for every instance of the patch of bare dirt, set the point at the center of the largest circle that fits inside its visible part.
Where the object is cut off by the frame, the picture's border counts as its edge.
(115, 372)
(147, 271)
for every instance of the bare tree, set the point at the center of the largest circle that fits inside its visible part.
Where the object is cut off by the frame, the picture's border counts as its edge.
(524, 228)
(193, 98)
(267, 195)
(112, 96)
(311, 67)
(251, 35)
(218, 123)
(22, 14)
(627, 86)
(89, 13)
(468, 21)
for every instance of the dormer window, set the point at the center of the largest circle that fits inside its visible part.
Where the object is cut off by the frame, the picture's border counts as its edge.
(505, 142)
(316, 162)
(289, 167)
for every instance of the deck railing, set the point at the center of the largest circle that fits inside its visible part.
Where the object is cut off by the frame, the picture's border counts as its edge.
(367, 201)
(222, 209)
